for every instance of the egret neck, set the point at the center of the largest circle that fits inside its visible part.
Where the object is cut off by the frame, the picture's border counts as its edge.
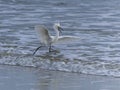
(57, 34)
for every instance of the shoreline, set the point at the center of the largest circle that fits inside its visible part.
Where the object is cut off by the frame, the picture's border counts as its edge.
(58, 63)
(28, 78)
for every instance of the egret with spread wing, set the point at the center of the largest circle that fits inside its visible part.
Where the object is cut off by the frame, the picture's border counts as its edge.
(47, 40)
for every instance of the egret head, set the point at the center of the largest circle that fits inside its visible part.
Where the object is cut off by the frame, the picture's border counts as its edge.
(58, 27)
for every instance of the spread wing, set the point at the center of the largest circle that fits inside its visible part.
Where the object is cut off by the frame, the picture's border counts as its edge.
(67, 39)
(42, 33)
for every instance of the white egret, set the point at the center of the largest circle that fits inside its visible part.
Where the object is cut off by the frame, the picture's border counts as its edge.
(47, 40)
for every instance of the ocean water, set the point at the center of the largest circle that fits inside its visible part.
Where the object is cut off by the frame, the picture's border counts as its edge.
(96, 22)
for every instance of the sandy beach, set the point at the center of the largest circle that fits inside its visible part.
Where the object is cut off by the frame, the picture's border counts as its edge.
(27, 78)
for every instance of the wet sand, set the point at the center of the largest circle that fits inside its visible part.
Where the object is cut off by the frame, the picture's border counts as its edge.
(27, 78)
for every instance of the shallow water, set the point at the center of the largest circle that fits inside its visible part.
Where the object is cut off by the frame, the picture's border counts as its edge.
(24, 78)
(95, 22)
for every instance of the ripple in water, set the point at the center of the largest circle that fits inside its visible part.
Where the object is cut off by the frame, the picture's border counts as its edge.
(97, 23)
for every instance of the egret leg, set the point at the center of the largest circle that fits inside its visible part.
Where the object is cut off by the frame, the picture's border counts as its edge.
(36, 50)
(50, 48)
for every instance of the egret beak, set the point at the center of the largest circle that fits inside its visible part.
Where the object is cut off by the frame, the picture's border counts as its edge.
(60, 29)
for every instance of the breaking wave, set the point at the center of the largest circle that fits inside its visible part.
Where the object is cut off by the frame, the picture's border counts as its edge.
(52, 61)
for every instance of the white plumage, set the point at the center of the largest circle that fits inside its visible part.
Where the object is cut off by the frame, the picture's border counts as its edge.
(47, 40)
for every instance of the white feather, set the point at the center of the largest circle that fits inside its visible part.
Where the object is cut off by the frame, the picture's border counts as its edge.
(48, 40)
(66, 39)
(43, 34)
